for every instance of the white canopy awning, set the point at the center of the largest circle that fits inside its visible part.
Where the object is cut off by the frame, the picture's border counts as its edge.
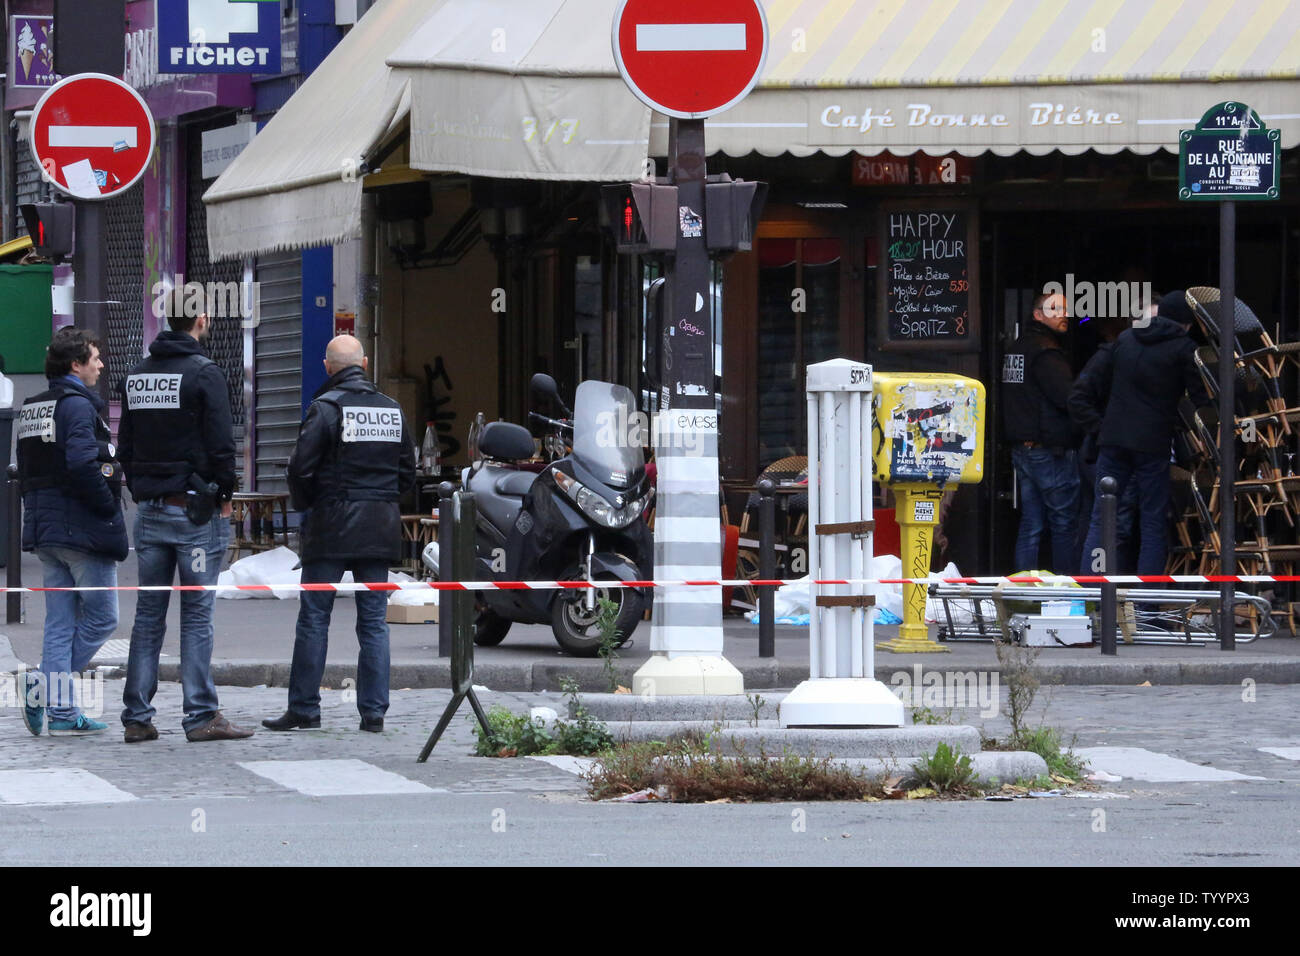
(528, 89)
(298, 183)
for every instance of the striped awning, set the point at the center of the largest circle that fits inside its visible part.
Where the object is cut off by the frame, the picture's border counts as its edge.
(528, 89)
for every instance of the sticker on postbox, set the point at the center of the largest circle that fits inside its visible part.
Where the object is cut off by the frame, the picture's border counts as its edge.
(929, 429)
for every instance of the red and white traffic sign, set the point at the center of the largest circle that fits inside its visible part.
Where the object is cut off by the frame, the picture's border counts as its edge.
(93, 135)
(690, 58)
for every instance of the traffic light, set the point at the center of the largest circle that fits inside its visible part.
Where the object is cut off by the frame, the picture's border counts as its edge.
(642, 216)
(50, 226)
(731, 213)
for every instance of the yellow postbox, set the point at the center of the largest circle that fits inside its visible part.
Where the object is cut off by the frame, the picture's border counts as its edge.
(928, 434)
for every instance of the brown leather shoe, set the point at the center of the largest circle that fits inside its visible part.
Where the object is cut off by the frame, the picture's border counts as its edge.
(137, 732)
(218, 728)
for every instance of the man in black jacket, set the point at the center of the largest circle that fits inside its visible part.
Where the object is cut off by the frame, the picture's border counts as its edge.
(178, 450)
(1036, 381)
(353, 461)
(1145, 375)
(72, 519)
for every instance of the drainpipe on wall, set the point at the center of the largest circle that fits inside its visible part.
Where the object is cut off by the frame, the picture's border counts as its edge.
(368, 283)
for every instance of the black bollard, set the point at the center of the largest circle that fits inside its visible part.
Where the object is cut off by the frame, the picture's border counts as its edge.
(1109, 545)
(14, 555)
(446, 563)
(766, 566)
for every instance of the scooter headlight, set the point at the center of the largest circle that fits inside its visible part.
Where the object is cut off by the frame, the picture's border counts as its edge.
(595, 506)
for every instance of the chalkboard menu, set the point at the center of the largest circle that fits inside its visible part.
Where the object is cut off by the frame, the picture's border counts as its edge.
(927, 277)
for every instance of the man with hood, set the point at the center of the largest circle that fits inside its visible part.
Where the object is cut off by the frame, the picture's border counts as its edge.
(353, 461)
(178, 450)
(1036, 381)
(72, 518)
(1145, 375)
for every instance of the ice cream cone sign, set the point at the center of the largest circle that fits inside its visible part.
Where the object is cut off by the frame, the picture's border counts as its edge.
(26, 50)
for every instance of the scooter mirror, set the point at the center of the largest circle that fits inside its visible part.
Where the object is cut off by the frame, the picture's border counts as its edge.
(543, 384)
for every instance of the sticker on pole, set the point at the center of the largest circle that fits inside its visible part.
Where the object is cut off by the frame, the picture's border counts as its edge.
(690, 58)
(923, 511)
(92, 135)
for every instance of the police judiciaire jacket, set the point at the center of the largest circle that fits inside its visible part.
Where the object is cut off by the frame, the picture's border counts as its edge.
(71, 482)
(1036, 380)
(176, 421)
(353, 461)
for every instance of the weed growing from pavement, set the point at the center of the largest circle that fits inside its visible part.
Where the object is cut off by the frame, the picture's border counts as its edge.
(947, 771)
(688, 771)
(606, 619)
(924, 715)
(1063, 765)
(756, 702)
(517, 735)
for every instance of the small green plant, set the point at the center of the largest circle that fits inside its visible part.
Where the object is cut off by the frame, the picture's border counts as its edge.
(1017, 664)
(947, 770)
(756, 702)
(1046, 742)
(514, 735)
(924, 715)
(610, 639)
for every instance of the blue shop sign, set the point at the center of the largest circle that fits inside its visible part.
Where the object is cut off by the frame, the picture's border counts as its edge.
(218, 36)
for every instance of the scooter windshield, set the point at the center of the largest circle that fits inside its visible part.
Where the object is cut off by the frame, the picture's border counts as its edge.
(608, 435)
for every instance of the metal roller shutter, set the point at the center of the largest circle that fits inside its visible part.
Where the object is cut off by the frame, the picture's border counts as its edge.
(277, 344)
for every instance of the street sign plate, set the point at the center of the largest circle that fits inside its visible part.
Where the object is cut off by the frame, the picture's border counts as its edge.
(1229, 156)
(93, 136)
(690, 58)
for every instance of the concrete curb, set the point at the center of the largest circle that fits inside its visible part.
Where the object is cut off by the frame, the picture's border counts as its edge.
(531, 676)
(993, 766)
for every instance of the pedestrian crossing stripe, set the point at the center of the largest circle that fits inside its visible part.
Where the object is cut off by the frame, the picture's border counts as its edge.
(1135, 763)
(1288, 753)
(57, 787)
(335, 778)
(112, 650)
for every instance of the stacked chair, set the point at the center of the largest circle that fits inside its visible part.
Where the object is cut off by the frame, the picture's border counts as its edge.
(1267, 484)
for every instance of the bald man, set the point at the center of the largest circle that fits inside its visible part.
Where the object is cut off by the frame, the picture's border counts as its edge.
(353, 461)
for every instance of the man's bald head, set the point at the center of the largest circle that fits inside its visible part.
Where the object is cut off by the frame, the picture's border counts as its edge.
(343, 352)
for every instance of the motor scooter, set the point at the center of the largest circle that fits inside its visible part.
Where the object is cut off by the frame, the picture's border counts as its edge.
(580, 518)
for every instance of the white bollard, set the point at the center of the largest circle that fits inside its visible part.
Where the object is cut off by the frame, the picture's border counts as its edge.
(841, 690)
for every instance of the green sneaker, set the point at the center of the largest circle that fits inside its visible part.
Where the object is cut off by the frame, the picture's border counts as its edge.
(83, 726)
(29, 692)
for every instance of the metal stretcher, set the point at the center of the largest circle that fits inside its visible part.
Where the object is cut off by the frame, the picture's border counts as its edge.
(1144, 615)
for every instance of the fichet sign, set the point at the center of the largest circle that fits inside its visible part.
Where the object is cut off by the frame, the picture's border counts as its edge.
(218, 36)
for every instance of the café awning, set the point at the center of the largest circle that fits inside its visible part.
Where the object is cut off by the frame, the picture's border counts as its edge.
(530, 91)
(298, 183)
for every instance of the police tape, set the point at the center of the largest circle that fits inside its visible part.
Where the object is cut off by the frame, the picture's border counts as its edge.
(1050, 580)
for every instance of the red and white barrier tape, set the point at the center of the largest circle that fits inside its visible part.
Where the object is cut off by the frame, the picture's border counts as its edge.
(1056, 579)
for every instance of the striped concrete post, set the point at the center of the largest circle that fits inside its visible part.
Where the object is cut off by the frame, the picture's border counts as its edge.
(686, 634)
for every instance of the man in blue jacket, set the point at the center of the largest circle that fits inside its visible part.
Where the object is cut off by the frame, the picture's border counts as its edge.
(72, 519)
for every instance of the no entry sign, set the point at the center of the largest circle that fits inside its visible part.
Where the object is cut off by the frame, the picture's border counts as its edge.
(690, 58)
(93, 135)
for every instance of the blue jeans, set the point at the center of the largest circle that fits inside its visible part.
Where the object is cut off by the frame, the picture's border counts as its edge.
(166, 542)
(76, 623)
(1049, 500)
(312, 638)
(1151, 475)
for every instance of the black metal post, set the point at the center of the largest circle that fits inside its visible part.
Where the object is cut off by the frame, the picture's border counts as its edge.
(1227, 420)
(1109, 548)
(458, 613)
(90, 301)
(14, 555)
(446, 564)
(766, 566)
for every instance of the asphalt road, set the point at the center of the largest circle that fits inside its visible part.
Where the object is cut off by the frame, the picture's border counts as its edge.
(232, 803)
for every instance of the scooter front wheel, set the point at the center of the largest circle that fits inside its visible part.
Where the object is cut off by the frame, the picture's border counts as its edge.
(575, 627)
(490, 628)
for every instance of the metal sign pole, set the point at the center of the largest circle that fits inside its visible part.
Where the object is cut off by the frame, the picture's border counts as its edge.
(91, 288)
(686, 636)
(1227, 419)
